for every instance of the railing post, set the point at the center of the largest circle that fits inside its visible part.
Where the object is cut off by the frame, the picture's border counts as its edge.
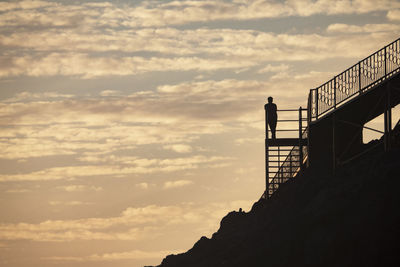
(334, 92)
(385, 63)
(300, 140)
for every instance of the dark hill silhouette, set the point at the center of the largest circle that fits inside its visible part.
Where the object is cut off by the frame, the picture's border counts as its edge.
(351, 218)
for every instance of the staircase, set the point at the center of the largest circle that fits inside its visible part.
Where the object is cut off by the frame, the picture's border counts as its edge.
(285, 156)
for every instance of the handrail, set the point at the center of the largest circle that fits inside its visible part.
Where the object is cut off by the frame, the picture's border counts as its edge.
(302, 109)
(294, 153)
(357, 79)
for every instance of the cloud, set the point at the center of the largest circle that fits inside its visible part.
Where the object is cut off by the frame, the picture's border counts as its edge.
(128, 255)
(133, 223)
(308, 7)
(133, 166)
(41, 13)
(29, 96)
(98, 127)
(144, 185)
(135, 254)
(367, 28)
(22, 148)
(110, 93)
(45, 128)
(274, 68)
(156, 14)
(394, 14)
(18, 191)
(177, 183)
(69, 203)
(85, 66)
(80, 188)
(241, 141)
(179, 148)
(177, 50)
(73, 53)
(94, 129)
(30, 4)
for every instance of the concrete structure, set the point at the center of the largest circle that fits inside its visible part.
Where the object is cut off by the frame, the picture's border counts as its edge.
(337, 137)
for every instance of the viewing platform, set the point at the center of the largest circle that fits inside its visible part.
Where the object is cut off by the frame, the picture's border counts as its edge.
(285, 154)
(287, 142)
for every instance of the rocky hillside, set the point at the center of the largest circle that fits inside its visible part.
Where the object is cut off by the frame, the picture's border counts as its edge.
(351, 218)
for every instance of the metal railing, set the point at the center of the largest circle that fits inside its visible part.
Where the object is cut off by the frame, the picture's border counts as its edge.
(356, 80)
(289, 167)
(284, 162)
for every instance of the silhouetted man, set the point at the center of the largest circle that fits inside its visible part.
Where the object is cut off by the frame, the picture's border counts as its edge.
(272, 116)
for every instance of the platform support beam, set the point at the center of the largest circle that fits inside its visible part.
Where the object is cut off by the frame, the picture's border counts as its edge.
(300, 140)
(387, 120)
(266, 156)
(333, 144)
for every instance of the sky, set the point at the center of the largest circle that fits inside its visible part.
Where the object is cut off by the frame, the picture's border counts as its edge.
(128, 129)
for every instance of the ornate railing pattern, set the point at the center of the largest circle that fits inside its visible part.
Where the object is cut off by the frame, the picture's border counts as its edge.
(355, 80)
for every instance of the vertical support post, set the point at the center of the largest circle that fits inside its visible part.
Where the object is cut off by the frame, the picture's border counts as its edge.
(309, 108)
(266, 155)
(388, 119)
(389, 110)
(279, 166)
(359, 77)
(300, 141)
(309, 115)
(333, 144)
(385, 119)
(316, 104)
(266, 168)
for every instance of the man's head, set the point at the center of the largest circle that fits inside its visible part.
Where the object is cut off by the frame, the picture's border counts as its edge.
(270, 99)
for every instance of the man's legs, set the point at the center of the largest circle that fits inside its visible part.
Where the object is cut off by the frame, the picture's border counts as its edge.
(272, 126)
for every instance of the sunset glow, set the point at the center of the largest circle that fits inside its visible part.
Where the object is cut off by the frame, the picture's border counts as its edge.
(130, 128)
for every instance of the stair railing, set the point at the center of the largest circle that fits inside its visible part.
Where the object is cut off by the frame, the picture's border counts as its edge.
(356, 80)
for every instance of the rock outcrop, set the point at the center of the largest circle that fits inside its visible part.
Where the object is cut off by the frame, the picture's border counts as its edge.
(351, 218)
